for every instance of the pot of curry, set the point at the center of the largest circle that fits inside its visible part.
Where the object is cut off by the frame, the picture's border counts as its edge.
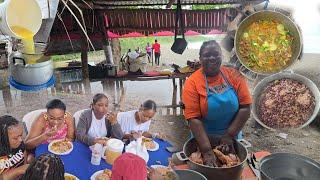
(267, 42)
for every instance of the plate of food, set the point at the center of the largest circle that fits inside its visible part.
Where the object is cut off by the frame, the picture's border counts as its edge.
(150, 144)
(60, 147)
(101, 175)
(161, 169)
(68, 176)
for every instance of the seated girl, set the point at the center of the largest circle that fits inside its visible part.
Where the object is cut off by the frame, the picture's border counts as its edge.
(137, 122)
(96, 125)
(54, 124)
(46, 166)
(12, 149)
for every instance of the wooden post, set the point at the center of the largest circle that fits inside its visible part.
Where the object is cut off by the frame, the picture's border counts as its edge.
(84, 57)
(180, 88)
(174, 100)
(58, 84)
(86, 84)
(104, 34)
(6, 94)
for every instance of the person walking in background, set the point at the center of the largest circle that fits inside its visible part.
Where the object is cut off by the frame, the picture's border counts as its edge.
(156, 49)
(149, 52)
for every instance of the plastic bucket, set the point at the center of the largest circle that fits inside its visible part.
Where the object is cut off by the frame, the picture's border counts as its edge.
(22, 13)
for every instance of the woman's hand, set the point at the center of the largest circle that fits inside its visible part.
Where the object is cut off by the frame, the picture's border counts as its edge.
(102, 141)
(112, 118)
(51, 132)
(136, 134)
(226, 144)
(210, 159)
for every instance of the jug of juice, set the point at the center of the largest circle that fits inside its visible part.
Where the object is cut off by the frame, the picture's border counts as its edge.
(114, 150)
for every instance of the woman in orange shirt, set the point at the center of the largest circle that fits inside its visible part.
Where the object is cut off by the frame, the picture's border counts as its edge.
(217, 101)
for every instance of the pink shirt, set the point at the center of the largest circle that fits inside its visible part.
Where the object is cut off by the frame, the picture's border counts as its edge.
(61, 133)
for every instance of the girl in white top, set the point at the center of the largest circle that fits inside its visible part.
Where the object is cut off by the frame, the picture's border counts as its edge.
(136, 122)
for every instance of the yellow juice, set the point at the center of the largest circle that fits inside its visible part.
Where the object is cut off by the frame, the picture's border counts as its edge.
(27, 40)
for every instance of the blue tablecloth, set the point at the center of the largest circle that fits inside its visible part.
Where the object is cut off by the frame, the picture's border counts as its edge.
(78, 162)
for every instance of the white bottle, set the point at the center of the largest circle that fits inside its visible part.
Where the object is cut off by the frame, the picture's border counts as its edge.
(96, 154)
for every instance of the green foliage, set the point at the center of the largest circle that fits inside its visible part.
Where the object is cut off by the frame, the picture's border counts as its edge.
(208, 7)
(133, 43)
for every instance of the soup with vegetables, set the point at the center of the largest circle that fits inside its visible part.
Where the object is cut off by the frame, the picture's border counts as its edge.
(265, 46)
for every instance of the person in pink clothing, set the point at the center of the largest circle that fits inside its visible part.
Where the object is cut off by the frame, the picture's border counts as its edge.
(149, 52)
(129, 166)
(54, 124)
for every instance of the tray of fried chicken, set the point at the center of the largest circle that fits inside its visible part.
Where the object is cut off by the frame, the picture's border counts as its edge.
(226, 159)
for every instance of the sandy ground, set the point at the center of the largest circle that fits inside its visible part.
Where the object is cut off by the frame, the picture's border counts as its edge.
(305, 141)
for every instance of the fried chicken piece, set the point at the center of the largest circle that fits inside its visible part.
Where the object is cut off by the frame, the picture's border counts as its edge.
(223, 158)
(196, 157)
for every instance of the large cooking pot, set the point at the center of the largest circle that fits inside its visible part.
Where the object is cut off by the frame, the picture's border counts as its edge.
(270, 15)
(31, 74)
(288, 166)
(229, 173)
(284, 75)
(187, 174)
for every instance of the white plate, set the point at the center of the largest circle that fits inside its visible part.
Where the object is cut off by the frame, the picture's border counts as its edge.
(94, 175)
(64, 153)
(67, 174)
(158, 166)
(155, 148)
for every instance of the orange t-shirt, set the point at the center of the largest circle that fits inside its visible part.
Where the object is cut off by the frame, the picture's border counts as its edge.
(194, 94)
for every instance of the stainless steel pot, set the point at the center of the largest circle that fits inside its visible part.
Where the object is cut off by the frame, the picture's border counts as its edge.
(229, 173)
(187, 174)
(31, 74)
(288, 166)
(271, 15)
(284, 75)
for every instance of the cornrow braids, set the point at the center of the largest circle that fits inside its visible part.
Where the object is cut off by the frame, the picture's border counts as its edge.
(6, 122)
(46, 166)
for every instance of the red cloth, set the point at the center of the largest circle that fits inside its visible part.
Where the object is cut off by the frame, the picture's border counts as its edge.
(129, 167)
(156, 47)
(152, 73)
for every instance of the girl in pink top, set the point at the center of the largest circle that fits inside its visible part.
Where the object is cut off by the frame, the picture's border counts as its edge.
(56, 123)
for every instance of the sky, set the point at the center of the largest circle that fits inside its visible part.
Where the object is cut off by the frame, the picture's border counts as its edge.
(306, 13)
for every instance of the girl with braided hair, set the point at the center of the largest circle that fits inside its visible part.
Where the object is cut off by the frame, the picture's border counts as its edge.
(46, 166)
(12, 149)
(54, 124)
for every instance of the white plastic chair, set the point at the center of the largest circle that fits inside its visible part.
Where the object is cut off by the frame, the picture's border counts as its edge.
(76, 116)
(32, 116)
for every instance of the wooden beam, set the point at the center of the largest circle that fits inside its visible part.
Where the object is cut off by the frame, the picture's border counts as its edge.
(84, 56)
